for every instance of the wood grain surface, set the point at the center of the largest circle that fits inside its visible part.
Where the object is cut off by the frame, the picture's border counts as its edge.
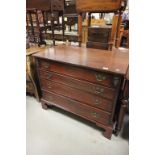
(115, 61)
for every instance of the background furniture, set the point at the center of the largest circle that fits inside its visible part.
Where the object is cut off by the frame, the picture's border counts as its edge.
(101, 6)
(98, 37)
(35, 25)
(31, 79)
(38, 4)
(85, 82)
(124, 37)
(58, 15)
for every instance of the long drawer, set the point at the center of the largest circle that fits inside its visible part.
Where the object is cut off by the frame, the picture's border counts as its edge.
(102, 78)
(99, 90)
(77, 108)
(77, 94)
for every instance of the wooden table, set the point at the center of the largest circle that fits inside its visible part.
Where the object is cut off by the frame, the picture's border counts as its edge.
(86, 82)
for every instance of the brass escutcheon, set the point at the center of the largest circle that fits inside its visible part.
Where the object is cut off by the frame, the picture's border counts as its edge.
(100, 77)
(99, 90)
(48, 85)
(46, 65)
(94, 114)
(97, 101)
(49, 75)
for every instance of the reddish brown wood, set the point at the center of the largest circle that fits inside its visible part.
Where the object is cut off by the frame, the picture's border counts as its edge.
(38, 4)
(99, 33)
(96, 89)
(97, 45)
(67, 83)
(76, 94)
(115, 61)
(106, 79)
(108, 130)
(76, 107)
(57, 5)
(98, 37)
(97, 5)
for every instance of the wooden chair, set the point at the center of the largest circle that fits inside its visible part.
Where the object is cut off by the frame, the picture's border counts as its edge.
(35, 26)
(98, 6)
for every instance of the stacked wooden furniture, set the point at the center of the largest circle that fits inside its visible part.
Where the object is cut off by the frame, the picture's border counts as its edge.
(35, 25)
(86, 82)
(52, 11)
(98, 37)
(101, 6)
(53, 8)
(71, 17)
(94, 22)
(32, 26)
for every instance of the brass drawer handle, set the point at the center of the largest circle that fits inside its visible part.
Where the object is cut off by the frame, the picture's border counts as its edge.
(46, 65)
(49, 85)
(95, 115)
(99, 90)
(49, 75)
(100, 77)
(97, 101)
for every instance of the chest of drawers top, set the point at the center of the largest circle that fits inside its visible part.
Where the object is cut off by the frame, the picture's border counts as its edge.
(115, 61)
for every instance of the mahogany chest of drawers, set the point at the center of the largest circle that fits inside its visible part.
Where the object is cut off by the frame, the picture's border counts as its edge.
(85, 82)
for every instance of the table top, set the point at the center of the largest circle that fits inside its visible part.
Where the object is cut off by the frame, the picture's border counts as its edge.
(115, 61)
(34, 49)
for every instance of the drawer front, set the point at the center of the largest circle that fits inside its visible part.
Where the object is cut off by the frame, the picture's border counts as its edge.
(78, 108)
(99, 90)
(99, 34)
(106, 79)
(77, 94)
(97, 45)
